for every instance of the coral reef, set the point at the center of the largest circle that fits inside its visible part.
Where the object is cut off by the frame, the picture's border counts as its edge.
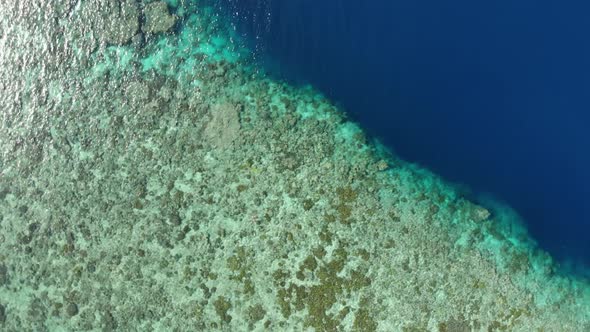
(175, 187)
(157, 18)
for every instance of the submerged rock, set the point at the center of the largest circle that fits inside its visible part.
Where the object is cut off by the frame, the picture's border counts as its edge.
(224, 126)
(138, 41)
(113, 22)
(123, 23)
(157, 18)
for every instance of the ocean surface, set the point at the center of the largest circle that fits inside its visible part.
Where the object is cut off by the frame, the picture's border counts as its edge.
(492, 96)
(155, 176)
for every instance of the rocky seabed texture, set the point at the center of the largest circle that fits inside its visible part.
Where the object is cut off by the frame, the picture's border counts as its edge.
(152, 180)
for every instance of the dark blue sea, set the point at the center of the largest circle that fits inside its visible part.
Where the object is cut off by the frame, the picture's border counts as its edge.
(491, 95)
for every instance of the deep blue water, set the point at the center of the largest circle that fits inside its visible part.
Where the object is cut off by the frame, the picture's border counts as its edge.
(494, 95)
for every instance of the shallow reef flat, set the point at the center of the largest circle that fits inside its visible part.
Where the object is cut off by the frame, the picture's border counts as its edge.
(152, 179)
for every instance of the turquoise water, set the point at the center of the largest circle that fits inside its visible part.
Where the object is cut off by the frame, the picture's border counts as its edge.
(153, 177)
